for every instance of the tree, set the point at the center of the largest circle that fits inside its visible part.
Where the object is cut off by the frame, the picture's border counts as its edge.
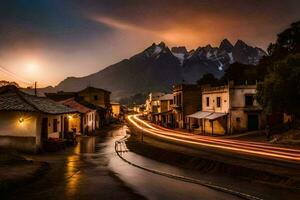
(241, 73)
(280, 90)
(288, 42)
(5, 83)
(208, 79)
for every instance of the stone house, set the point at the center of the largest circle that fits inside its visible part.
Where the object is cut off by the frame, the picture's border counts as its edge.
(27, 122)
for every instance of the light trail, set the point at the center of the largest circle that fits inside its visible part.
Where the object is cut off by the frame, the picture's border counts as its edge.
(226, 141)
(258, 149)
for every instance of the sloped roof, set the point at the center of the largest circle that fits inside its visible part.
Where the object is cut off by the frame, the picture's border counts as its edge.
(166, 97)
(90, 88)
(72, 103)
(89, 105)
(200, 114)
(12, 99)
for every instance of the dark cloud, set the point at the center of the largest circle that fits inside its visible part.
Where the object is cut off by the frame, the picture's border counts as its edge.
(78, 37)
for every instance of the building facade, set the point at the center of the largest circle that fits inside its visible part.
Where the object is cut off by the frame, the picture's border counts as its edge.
(186, 100)
(87, 121)
(228, 109)
(152, 104)
(164, 115)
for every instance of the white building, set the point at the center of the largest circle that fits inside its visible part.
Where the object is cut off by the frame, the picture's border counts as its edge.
(228, 109)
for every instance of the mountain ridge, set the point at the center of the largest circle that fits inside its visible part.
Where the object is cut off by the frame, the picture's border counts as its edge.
(158, 68)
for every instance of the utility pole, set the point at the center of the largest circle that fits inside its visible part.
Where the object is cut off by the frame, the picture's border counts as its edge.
(35, 90)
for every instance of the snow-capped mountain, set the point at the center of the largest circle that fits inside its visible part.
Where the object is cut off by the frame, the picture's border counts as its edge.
(157, 68)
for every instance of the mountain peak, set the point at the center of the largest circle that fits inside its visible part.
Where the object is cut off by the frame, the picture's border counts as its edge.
(240, 43)
(225, 45)
(162, 44)
(180, 49)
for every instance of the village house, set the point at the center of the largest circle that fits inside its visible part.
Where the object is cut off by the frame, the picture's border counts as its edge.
(164, 115)
(152, 104)
(87, 120)
(27, 122)
(187, 100)
(91, 97)
(227, 109)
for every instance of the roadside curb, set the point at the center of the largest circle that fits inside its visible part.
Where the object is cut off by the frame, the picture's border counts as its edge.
(183, 178)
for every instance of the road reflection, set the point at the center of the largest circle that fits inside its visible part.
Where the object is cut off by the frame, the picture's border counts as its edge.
(73, 173)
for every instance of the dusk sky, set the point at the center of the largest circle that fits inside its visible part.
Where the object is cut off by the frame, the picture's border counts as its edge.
(49, 40)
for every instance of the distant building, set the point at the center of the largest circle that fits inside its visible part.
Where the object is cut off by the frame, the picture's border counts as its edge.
(115, 109)
(164, 115)
(187, 100)
(96, 96)
(152, 104)
(139, 109)
(27, 122)
(228, 109)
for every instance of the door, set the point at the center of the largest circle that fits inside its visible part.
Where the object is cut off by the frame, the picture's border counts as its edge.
(44, 131)
(66, 125)
(252, 122)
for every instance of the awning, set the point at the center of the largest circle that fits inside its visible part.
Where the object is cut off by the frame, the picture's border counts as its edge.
(215, 115)
(200, 114)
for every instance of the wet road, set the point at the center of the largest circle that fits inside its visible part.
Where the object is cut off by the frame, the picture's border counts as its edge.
(92, 170)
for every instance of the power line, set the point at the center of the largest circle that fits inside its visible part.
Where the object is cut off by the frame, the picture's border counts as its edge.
(15, 76)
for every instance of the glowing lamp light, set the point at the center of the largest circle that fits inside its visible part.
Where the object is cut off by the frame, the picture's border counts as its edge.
(21, 120)
(70, 116)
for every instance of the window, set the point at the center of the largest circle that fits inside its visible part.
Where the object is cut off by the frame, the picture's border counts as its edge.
(218, 102)
(249, 100)
(54, 125)
(207, 101)
(238, 119)
(95, 97)
(179, 99)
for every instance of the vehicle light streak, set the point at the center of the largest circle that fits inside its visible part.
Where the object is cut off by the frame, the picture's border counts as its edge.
(207, 138)
(225, 144)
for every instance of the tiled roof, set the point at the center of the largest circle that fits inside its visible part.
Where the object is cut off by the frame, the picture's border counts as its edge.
(12, 99)
(72, 103)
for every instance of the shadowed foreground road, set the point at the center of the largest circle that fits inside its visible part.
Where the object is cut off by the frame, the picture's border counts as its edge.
(92, 170)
